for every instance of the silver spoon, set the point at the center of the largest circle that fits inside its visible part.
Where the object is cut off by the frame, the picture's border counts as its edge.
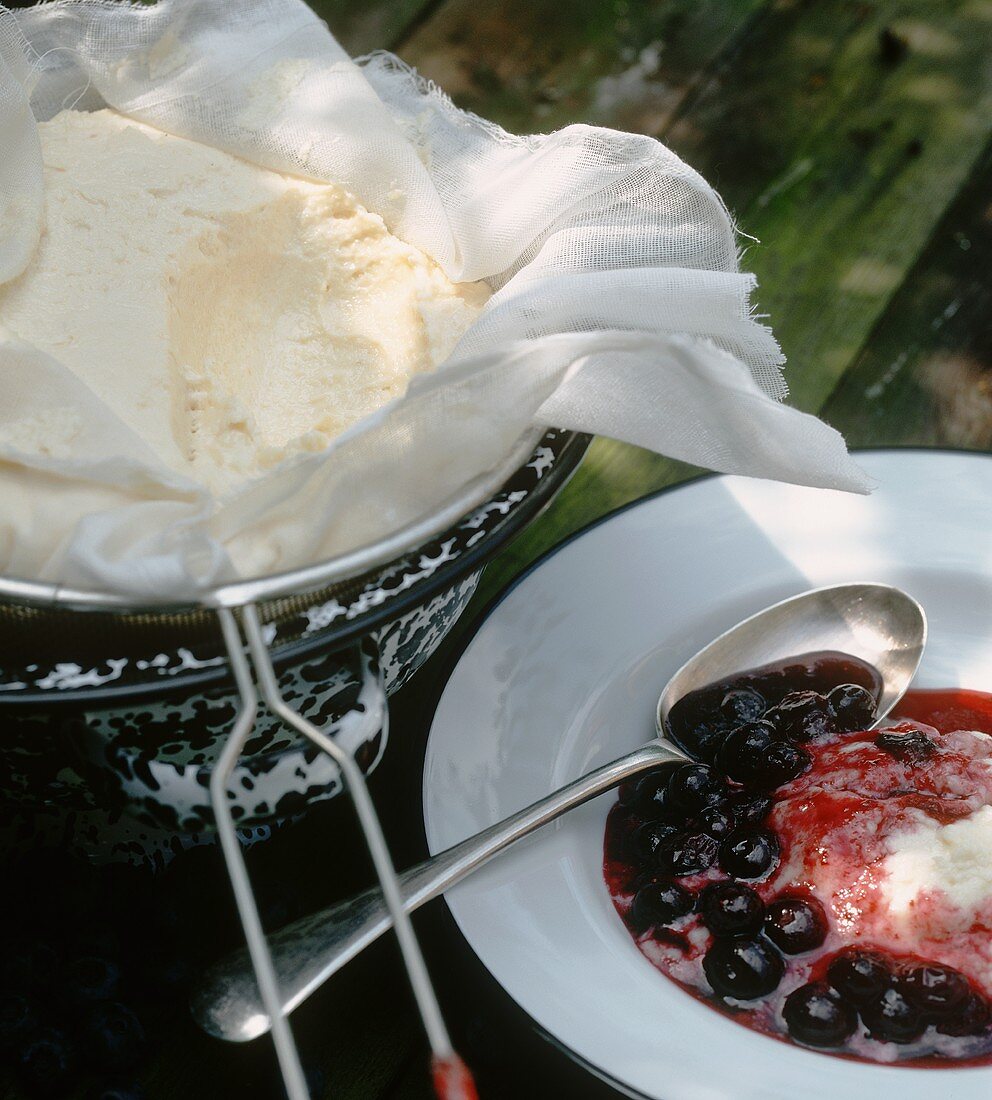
(876, 622)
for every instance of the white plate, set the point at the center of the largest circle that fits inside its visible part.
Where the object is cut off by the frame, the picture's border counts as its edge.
(563, 675)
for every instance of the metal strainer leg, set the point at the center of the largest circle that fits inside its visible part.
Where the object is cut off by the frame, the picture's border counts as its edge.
(282, 1036)
(452, 1079)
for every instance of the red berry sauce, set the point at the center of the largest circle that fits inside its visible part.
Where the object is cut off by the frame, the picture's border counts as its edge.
(785, 881)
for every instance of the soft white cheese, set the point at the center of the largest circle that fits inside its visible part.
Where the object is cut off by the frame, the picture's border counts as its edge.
(231, 316)
(954, 859)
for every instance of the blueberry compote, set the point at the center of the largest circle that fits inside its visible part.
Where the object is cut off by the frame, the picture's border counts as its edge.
(809, 875)
(700, 721)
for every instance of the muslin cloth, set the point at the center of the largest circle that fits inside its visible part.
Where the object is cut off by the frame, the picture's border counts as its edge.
(618, 307)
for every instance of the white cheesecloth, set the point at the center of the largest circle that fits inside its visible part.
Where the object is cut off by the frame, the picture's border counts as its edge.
(618, 309)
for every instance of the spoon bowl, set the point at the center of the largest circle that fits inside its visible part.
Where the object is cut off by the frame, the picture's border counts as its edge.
(878, 623)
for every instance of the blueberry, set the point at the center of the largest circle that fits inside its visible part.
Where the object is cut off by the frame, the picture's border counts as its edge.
(780, 763)
(749, 853)
(796, 925)
(911, 747)
(627, 791)
(743, 748)
(103, 942)
(742, 705)
(28, 964)
(731, 909)
(697, 728)
(47, 1064)
(113, 1037)
(122, 1090)
(716, 821)
(692, 787)
(87, 980)
(657, 776)
(817, 1015)
(650, 800)
(646, 838)
(686, 855)
(801, 716)
(17, 1019)
(749, 808)
(969, 1017)
(660, 903)
(851, 707)
(890, 1018)
(743, 968)
(935, 990)
(859, 973)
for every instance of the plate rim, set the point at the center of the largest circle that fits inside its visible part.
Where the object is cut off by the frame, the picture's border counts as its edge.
(695, 479)
(454, 658)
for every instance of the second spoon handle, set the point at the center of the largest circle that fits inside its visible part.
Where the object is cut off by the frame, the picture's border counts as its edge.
(307, 952)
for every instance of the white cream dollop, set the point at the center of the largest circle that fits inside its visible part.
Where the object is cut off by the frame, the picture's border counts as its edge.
(954, 859)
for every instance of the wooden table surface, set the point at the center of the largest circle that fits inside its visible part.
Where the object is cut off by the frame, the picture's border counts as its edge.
(851, 139)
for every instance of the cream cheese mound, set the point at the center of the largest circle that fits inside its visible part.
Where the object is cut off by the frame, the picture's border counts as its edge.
(231, 316)
(954, 859)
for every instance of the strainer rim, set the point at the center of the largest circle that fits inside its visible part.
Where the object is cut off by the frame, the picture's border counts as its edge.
(53, 595)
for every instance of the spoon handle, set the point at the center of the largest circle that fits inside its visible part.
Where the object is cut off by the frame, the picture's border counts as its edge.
(306, 953)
